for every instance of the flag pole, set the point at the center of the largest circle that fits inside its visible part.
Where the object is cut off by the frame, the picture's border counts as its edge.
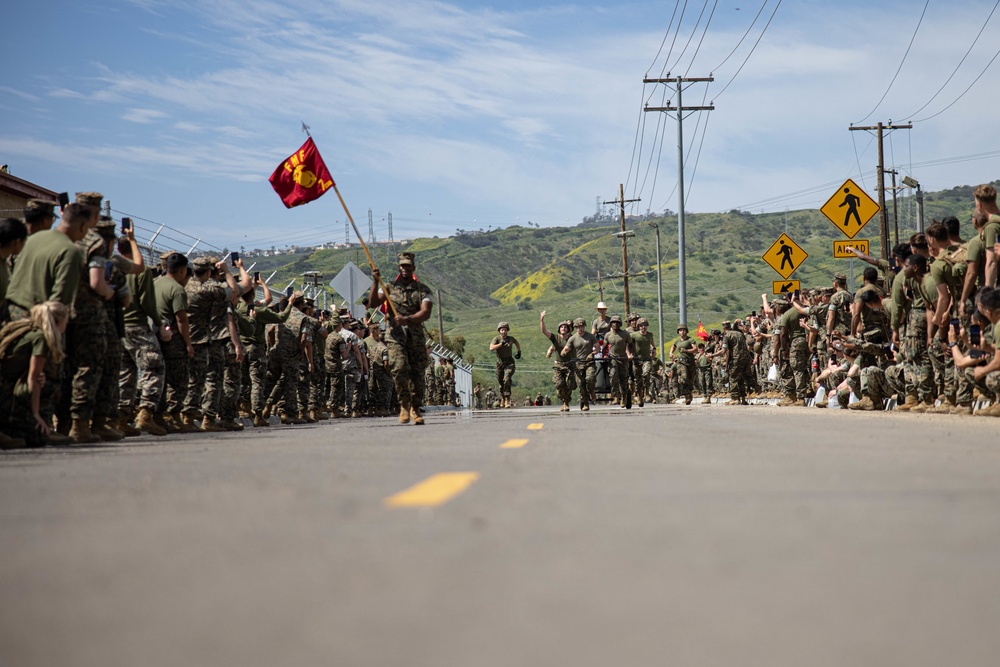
(371, 262)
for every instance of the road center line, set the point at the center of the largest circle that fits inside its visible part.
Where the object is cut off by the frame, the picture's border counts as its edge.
(434, 491)
(514, 444)
(535, 427)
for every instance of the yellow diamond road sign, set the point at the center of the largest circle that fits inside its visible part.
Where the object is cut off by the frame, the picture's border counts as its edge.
(784, 256)
(841, 248)
(785, 286)
(850, 208)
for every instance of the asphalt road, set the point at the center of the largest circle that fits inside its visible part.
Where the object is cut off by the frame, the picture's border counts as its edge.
(699, 535)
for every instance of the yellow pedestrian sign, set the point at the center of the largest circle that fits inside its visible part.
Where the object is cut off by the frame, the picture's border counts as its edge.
(784, 256)
(841, 249)
(850, 208)
(785, 286)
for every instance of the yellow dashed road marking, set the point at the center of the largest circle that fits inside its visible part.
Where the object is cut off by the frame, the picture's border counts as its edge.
(514, 444)
(535, 427)
(433, 491)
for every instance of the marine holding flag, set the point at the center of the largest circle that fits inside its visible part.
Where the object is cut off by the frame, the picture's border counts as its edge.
(303, 177)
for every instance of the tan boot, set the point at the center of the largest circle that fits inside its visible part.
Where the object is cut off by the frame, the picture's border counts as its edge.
(923, 406)
(267, 411)
(189, 425)
(865, 404)
(290, 419)
(911, 402)
(305, 418)
(57, 439)
(104, 431)
(208, 425)
(231, 424)
(259, 421)
(962, 409)
(145, 423)
(80, 432)
(416, 416)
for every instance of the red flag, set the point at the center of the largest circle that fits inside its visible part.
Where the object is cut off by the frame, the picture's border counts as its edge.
(701, 333)
(302, 177)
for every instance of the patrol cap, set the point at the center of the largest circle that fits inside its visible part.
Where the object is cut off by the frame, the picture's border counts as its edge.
(166, 255)
(727, 323)
(642, 322)
(616, 318)
(405, 258)
(601, 305)
(503, 325)
(840, 277)
(42, 205)
(104, 224)
(579, 322)
(202, 262)
(89, 198)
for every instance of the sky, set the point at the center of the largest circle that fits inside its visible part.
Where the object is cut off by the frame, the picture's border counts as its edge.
(475, 115)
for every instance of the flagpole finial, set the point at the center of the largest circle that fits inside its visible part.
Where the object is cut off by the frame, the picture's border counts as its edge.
(305, 128)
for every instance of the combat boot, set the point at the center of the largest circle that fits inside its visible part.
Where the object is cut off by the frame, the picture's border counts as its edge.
(404, 412)
(290, 419)
(259, 421)
(705, 401)
(231, 424)
(124, 424)
(923, 406)
(962, 409)
(208, 425)
(7, 442)
(267, 411)
(79, 431)
(584, 406)
(145, 423)
(865, 404)
(787, 402)
(943, 409)
(189, 425)
(104, 431)
(416, 416)
(565, 407)
(316, 415)
(687, 399)
(305, 418)
(911, 402)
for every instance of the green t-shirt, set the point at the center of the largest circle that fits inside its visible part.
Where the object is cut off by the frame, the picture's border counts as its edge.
(900, 305)
(617, 343)
(17, 361)
(48, 268)
(643, 344)
(977, 253)
(581, 346)
(170, 299)
(143, 303)
(684, 350)
(505, 352)
(990, 231)
(558, 343)
(789, 321)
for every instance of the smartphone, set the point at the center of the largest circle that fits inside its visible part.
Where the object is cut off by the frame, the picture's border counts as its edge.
(63, 200)
(976, 354)
(892, 263)
(289, 291)
(234, 257)
(974, 332)
(126, 224)
(753, 313)
(108, 268)
(955, 324)
(795, 295)
(256, 276)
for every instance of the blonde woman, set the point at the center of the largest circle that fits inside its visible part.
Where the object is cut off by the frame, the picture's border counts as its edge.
(26, 346)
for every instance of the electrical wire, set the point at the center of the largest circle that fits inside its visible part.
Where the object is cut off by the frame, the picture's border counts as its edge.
(976, 80)
(739, 43)
(665, 35)
(898, 69)
(702, 40)
(761, 36)
(694, 31)
(957, 67)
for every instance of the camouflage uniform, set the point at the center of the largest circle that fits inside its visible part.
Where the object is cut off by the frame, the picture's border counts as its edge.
(109, 389)
(738, 363)
(142, 368)
(334, 362)
(207, 309)
(407, 345)
(284, 366)
(380, 382)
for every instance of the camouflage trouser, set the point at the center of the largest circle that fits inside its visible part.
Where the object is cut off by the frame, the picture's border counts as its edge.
(142, 371)
(430, 387)
(317, 385)
(232, 383)
(407, 362)
(833, 382)
(875, 385)
(379, 388)
(738, 372)
(335, 376)
(283, 380)
(352, 376)
(916, 361)
(642, 370)
(988, 386)
(617, 377)
(586, 377)
(505, 376)
(706, 379)
(175, 375)
(798, 373)
(205, 378)
(685, 379)
(109, 388)
(86, 352)
(944, 365)
(255, 375)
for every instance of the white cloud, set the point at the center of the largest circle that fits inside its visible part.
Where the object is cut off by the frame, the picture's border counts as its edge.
(143, 116)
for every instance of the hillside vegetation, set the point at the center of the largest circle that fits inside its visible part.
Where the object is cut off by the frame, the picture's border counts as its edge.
(512, 274)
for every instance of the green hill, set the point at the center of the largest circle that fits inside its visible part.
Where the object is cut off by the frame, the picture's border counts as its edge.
(512, 274)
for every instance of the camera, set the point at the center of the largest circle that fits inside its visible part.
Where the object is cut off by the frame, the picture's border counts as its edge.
(234, 257)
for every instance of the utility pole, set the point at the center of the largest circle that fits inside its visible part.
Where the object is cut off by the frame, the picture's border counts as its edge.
(621, 200)
(680, 109)
(600, 286)
(895, 211)
(884, 215)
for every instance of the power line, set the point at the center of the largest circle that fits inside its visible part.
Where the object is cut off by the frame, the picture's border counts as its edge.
(735, 48)
(761, 36)
(694, 31)
(898, 69)
(665, 34)
(974, 81)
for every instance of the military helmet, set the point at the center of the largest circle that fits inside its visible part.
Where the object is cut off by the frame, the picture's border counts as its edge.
(566, 323)
(616, 318)
(579, 322)
(503, 325)
(642, 322)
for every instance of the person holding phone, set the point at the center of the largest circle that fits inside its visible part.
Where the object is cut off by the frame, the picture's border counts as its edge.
(981, 364)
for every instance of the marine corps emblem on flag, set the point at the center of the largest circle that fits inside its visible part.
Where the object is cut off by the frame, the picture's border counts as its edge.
(302, 177)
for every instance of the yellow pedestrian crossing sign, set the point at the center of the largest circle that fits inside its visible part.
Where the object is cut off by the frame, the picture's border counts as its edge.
(785, 286)
(850, 208)
(784, 256)
(841, 248)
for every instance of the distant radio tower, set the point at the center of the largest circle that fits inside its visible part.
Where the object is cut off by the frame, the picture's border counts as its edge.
(347, 232)
(371, 229)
